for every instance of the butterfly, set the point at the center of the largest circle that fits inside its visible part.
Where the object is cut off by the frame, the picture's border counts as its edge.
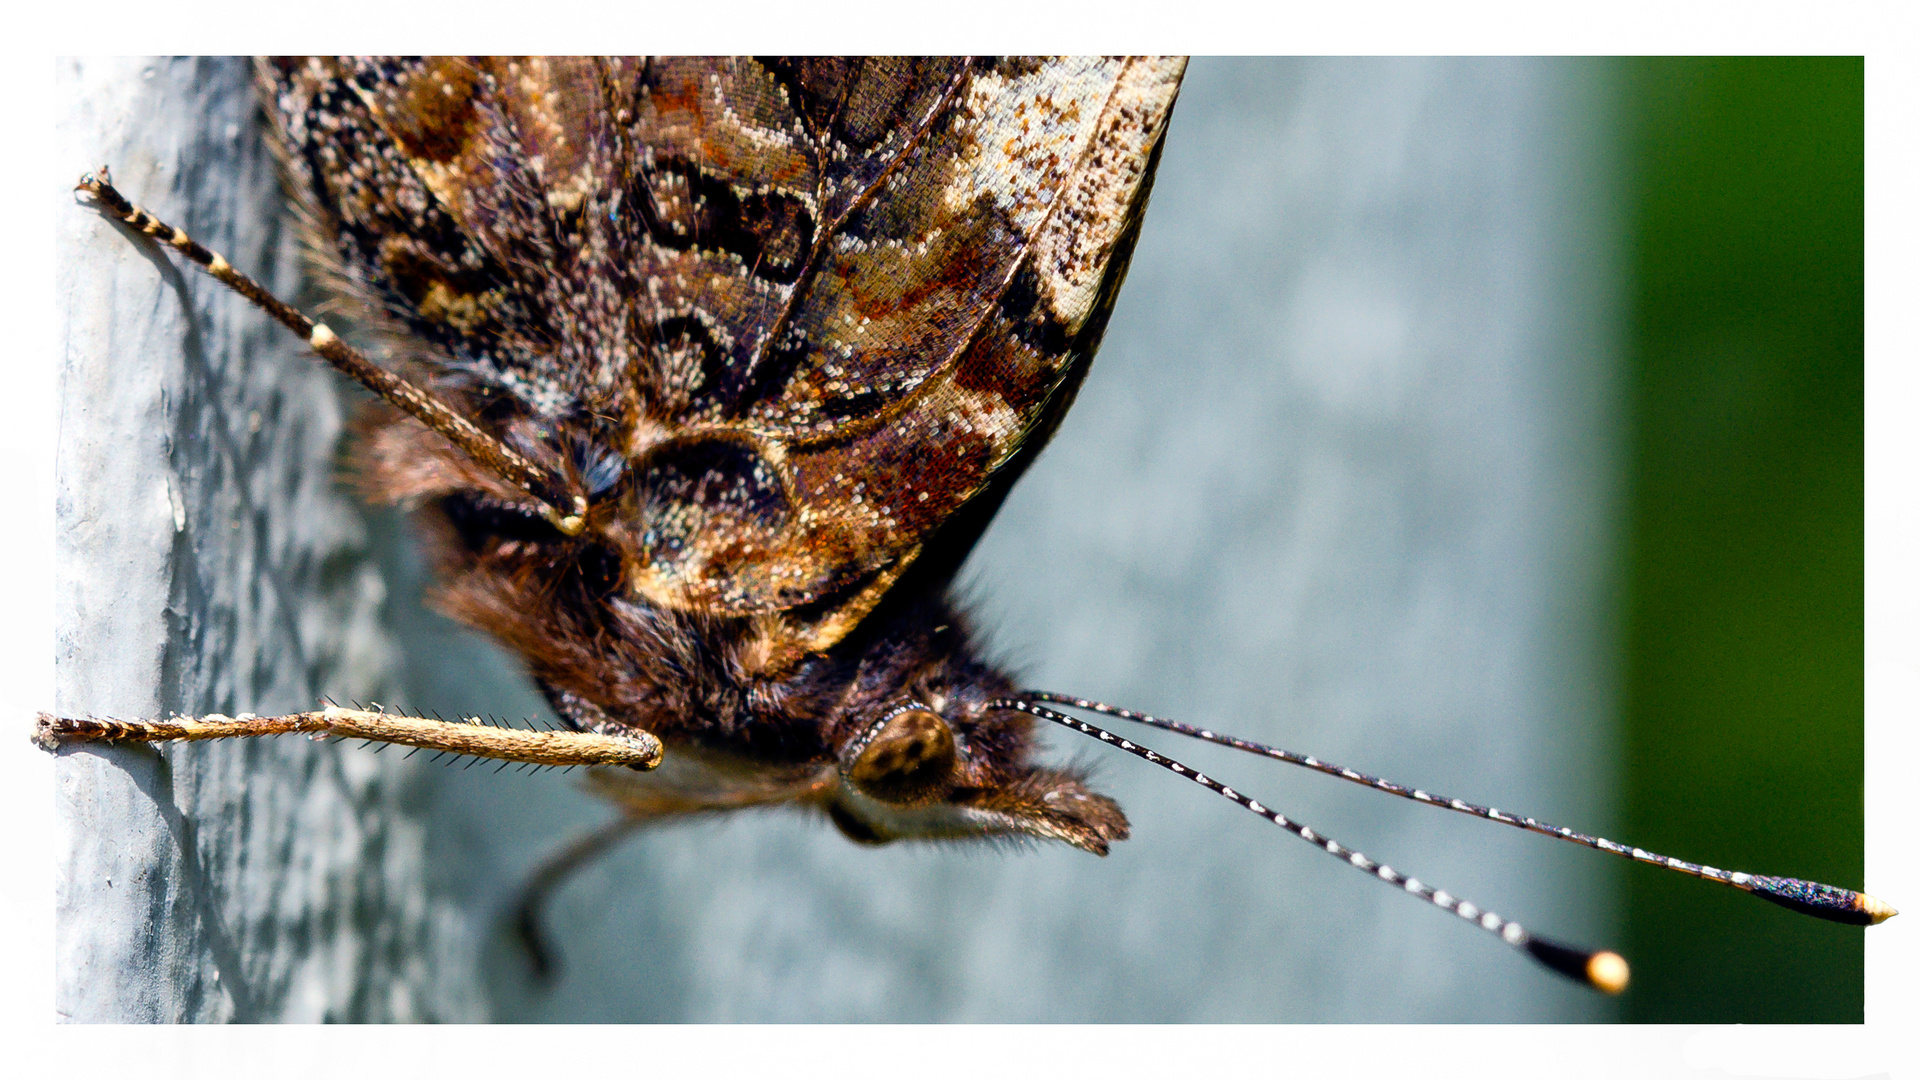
(747, 354)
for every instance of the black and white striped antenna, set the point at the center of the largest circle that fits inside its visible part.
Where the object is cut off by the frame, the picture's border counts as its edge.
(1599, 969)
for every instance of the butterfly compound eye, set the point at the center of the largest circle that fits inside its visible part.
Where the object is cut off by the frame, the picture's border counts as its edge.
(908, 759)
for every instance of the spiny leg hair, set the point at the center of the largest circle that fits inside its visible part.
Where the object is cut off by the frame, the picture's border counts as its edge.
(634, 749)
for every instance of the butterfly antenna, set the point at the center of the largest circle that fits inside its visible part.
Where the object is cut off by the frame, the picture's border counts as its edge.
(1599, 969)
(1828, 902)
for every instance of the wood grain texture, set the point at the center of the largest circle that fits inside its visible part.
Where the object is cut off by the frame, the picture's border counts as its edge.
(207, 562)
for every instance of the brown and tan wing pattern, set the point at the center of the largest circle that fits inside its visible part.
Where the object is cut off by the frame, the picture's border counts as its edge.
(801, 310)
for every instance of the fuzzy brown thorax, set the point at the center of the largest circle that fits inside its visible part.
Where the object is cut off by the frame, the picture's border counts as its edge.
(889, 733)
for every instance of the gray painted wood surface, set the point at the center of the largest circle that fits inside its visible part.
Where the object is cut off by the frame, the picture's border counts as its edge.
(1343, 478)
(208, 562)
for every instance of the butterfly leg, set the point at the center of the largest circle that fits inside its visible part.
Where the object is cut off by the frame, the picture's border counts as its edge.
(564, 509)
(683, 789)
(635, 749)
(547, 878)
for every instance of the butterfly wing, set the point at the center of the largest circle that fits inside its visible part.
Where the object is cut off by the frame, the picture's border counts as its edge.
(788, 315)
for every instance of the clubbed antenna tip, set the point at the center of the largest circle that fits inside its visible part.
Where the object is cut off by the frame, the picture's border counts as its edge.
(1828, 902)
(1878, 910)
(1604, 970)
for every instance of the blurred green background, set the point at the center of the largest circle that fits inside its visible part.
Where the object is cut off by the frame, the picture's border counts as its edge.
(1745, 616)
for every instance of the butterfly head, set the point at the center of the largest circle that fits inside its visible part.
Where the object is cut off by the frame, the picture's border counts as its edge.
(934, 760)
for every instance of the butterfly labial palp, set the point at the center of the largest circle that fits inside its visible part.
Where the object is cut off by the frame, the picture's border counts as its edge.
(561, 514)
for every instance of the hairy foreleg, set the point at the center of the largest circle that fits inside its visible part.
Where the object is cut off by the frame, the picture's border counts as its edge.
(635, 749)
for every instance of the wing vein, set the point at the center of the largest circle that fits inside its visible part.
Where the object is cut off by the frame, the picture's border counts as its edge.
(826, 235)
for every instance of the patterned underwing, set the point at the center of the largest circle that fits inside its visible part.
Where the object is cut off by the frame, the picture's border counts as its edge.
(741, 357)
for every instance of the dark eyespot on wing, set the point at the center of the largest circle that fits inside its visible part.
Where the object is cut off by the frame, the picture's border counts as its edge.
(703, 508)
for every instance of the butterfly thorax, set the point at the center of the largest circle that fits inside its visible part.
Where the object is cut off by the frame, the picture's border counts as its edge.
(888, 732)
